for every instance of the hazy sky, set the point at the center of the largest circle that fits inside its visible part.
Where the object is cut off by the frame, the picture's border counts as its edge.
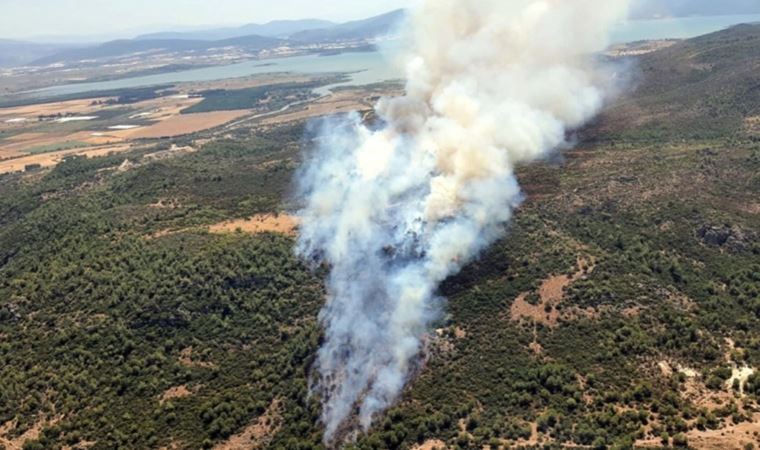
(125, 18)
(29, 18)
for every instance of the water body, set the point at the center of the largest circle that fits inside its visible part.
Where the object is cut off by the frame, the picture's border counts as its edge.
(364, 68)
(374, 67)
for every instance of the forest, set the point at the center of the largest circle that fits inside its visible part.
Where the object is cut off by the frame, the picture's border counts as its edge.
(126, 323)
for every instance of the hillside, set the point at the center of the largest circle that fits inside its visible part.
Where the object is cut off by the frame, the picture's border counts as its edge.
(274, 29)
(686, 8)
(356, 30)
(701, 87)
(249, 38)
(622, 307)
(18, 53)
(129, 47)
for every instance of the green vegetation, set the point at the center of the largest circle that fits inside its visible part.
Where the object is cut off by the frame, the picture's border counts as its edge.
(67, 145)
(102, 311)
(124, 96)
(276, 96)
(698, 89)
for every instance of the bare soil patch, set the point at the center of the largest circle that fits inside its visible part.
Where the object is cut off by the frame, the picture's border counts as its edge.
(79, 107)
(264, 223)
(695, 391)
(431, 444)
(178, 125)
(187, 359)
(259, 433)
(551, 293)
(22, 144)
(176, 392)
(733, 437)
(31, 434)
(752, 125)
(80, 445)
(54, 158)
(752, 208)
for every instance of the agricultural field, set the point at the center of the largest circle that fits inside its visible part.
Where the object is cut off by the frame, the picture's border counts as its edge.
(45, 133)
(150, 296)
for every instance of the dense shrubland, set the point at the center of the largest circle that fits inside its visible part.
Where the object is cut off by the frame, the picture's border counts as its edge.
(101, 313)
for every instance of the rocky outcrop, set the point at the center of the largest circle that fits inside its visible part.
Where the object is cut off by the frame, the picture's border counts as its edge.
(729, 237)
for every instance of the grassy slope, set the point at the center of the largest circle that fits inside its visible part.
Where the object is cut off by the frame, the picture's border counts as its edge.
(97, 319)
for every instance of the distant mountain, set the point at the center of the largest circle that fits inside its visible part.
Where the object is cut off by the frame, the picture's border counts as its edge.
(241, 38)
(304, 31)
(356, 30)
(18, 53)
(644, 9)
(119, 48)
(276, 29)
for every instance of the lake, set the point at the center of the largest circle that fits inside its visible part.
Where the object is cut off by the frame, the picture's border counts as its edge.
(373, 67)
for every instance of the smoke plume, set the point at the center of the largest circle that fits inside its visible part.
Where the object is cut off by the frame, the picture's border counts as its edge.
(394, 211)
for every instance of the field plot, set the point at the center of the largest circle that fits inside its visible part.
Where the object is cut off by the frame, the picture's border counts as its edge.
(72, 127)
(340, 102)
(50, 159)
(76, 126)
(182, 125)
(34, 143)
(32, 112)
(249, 82)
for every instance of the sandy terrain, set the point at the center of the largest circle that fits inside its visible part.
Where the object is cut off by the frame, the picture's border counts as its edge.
(265, 223)
(258, 434)
(53, 158)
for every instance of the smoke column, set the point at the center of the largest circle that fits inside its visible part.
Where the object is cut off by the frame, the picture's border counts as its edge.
(394, 211)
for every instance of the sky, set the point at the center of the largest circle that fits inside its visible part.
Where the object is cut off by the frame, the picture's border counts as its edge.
(104, 19)
(35, 18)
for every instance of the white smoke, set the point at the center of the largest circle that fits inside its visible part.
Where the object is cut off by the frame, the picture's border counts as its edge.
(393, 212)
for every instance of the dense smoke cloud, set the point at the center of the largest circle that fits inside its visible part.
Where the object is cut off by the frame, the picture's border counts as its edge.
(394, 211)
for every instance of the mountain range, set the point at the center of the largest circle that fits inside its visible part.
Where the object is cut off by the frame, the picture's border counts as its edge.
(15, 53)
(256, 37)
(274, 29)
(125, 47)
(249, 38)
